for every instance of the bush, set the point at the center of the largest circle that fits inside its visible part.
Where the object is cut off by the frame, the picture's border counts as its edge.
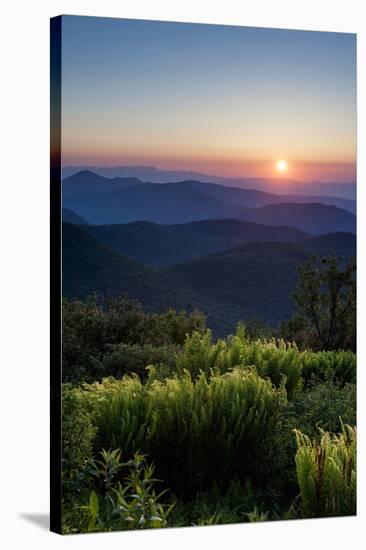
(273, 359)
(320, 405)
(91, 330)
(326, 473)
(325, 366)
(196, 432)
(277, 360)
(200, 355)
(77, 445)
(117, 501)
(77, 433)
(126, 359)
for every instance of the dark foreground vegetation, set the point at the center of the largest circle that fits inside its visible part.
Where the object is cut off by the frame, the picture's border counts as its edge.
(164, 425)
(205, 432)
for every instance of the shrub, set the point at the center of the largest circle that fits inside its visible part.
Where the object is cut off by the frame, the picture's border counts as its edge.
(337, 366)
(320, 405)
(326, 472)
(273, 359)
(92, 329)
(194, 431)
(115, 502)
(126, 359)
(77, 444)
(277, 360)
(77, 433)
(200, 355)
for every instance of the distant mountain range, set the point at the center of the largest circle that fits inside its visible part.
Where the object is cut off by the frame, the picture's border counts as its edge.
(158, 245)
(250, 280)
(89, 183)
(101, 200)
(272, 185)
(231, 252)
(313, 217)
(168, 203)
(161, 245)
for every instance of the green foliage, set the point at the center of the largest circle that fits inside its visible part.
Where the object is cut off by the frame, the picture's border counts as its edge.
(200, 354)
(273, 359)
(326, 305)
(102, 339)
(325, 366)
(106, 469)
(77, 433)
(116, 501)
(216, 417)
(125, 359)
(326, 472)
(233, 504)
(320, 405)
(195, 431)
(256, 516)
(277, 360)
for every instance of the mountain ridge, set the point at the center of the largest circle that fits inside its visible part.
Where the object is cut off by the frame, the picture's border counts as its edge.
(158, 245)
(86, 182)
(315, 217)
(262, 277)
(152, 173)
(189, 201)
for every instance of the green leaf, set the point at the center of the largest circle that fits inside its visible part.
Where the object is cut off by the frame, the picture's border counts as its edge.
(94, 504)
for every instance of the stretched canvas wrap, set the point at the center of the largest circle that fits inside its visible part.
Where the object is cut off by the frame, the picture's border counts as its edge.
(203, 277)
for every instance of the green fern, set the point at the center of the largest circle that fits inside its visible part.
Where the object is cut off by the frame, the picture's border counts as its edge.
(326, 472)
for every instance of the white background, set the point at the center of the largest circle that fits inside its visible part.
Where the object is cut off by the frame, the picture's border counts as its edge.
(24, 272)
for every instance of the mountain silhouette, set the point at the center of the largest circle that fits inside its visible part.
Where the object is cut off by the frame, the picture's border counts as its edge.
(71, 217)
(158, 245)
(87, 182)
(271, 185)
(130, 200)
(313, 217)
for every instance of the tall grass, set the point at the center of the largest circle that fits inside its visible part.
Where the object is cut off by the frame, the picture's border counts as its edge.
(273, 359)
(282, 362)
(339, 366)
(326, 472)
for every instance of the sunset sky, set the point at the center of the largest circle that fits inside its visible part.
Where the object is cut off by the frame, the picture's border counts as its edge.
(230, 101)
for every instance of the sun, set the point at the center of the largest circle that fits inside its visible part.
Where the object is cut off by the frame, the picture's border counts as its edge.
(281, 165)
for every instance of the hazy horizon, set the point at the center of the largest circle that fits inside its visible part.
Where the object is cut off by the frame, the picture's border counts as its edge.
(188, 171)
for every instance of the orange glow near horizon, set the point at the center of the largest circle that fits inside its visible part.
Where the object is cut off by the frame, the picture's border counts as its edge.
(301, 170)
(217, 100)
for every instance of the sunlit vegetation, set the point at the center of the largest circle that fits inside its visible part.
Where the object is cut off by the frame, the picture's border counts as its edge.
(163, 425)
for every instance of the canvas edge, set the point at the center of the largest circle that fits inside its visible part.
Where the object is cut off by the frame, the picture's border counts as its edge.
(55, 276)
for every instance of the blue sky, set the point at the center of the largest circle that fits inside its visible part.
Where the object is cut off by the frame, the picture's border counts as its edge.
(223, 99)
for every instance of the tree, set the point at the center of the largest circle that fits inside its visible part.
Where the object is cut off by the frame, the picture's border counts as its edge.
(326, 305)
